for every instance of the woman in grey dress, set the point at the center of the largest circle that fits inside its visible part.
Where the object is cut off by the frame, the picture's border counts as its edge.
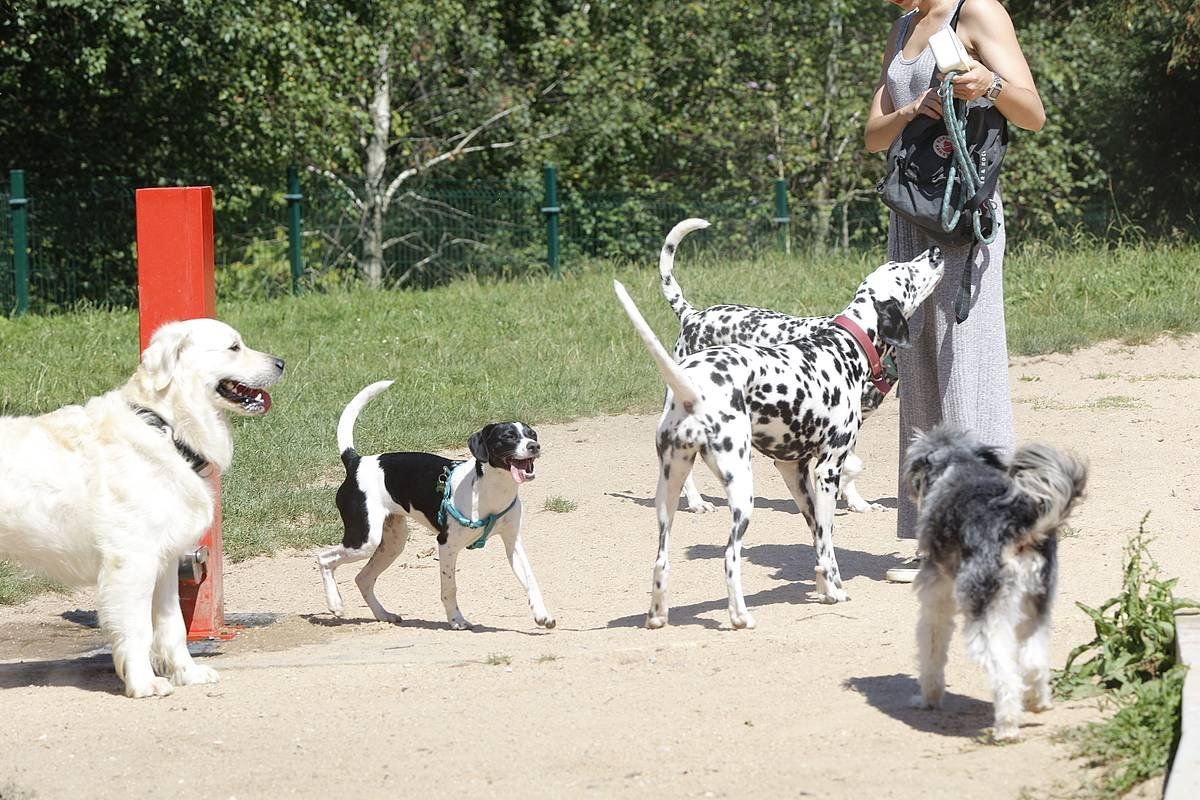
(954, 372)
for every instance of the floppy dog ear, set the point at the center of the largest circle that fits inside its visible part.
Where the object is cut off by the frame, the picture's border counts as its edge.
(990, 456)
(161, 356)
(478, 443)
(893, 327)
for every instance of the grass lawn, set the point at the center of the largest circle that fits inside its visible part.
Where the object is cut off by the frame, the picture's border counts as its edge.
(538, 349)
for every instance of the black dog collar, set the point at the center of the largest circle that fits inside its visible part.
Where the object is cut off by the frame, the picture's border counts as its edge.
(200, 465)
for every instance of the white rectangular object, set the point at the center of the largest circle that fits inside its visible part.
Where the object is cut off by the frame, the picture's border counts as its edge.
(949, 52)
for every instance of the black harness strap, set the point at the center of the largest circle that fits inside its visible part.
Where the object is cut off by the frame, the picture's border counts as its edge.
(152, 418)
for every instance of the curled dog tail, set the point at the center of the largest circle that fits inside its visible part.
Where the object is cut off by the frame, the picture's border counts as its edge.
(345, 427)
(666, 265)
(1053, 479)
(677, 380)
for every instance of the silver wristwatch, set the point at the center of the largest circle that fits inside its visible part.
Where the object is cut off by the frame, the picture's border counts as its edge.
(997, 86)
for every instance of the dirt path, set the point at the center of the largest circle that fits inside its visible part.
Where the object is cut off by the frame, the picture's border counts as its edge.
(813, 702)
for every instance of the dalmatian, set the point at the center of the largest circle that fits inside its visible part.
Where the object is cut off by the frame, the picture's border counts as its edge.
(797, 402)
(738, 324)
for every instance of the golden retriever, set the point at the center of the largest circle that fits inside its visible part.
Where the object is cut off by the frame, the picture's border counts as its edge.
(112, 492)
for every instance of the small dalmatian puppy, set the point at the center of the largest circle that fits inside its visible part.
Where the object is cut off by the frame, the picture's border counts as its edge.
(737, 324)
(462, 502)
(799, 403)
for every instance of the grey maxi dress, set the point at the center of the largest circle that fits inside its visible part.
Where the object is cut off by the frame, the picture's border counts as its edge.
(953, 373)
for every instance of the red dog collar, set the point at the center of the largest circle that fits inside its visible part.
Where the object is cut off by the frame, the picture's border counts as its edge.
(878, 377)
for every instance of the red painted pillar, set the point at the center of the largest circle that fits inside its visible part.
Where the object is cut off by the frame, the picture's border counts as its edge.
(175, 282)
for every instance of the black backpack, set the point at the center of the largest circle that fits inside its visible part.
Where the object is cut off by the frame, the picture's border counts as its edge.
(918, 165)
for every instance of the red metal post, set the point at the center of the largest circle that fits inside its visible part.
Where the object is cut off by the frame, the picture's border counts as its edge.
(175, 282)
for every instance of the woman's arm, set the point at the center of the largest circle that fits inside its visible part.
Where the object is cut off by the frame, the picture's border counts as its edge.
(885, 121)
(986, 29)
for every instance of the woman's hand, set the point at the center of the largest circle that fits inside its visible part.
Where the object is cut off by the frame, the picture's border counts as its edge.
(928, 104)
(973, 83)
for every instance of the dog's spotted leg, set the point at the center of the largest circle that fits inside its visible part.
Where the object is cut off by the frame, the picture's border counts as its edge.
(695, 502)
(169, 651)
(124, 595)
(448, 562)
(935, 626)
(674, 464)
(739, 488)
(849, 491)
(519, 561)
(822, 488)
(692, 499)
(391, 545)
(816, 502)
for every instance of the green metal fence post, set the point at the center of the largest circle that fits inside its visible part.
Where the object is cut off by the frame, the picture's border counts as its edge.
(782, 218)
(18, 209)
(551, 210)
(293, 198)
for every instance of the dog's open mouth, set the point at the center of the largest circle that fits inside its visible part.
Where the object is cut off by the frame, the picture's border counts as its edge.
(521, 469)
(249, 399)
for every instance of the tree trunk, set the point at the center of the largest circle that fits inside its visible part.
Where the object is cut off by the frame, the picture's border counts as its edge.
(380, 110)
(823, 214)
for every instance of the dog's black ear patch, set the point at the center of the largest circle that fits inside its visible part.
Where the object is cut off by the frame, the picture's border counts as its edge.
(478, 443)
(990, 456)
(893, 327)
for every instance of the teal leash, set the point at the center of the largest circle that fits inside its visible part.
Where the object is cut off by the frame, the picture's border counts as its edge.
(447, 507)
(968, 174)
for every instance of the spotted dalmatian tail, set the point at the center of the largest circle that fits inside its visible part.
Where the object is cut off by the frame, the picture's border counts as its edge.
(666, 265)
(677, 380)
(345, 426)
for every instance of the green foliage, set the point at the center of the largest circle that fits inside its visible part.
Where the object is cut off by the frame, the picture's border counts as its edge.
(560, 505)
(1132, 661)
(1135, 744)
(1135, 631)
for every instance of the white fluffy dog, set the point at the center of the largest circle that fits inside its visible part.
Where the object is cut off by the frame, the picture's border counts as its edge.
(114, 491)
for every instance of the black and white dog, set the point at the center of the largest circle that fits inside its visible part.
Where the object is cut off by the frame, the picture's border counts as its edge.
(738, 324)
(989, 532)
(798, 403)
(462, 502)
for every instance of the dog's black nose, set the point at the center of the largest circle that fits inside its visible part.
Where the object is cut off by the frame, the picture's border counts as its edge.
(533, 448)
(279, 364)
(935, 253)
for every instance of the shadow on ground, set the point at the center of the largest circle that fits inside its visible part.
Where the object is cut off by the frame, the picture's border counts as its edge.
(959, 716)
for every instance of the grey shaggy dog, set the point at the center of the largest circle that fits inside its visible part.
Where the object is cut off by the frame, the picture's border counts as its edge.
(989, 532)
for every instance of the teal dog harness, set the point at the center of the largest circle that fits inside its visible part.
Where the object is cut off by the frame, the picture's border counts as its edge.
(447, 507)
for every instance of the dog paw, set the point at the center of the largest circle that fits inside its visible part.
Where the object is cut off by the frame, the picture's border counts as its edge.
(834, 595)
(865, 507)
(701, 507)
(740, 621)
(919, 700)
(654, 622)
(459, 624)
(1006, 732)
(387, 616)
(194, 674)
(1037, 705)
(153, 687)
(545, 622)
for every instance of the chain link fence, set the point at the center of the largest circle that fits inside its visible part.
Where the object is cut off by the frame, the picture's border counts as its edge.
(82, 244)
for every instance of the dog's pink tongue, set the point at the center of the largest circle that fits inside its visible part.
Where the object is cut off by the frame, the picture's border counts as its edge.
(263, 398)
(517, 473)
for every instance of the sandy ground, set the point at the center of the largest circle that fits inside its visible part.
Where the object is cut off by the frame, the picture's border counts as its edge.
(812, 703)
